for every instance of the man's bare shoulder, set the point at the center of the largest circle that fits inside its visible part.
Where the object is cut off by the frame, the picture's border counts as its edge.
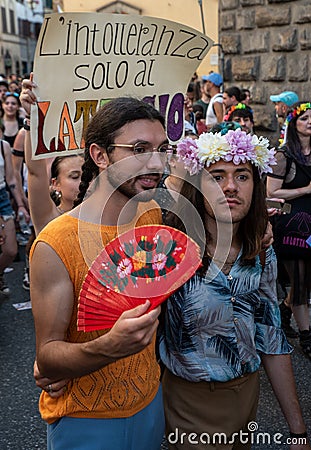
(61, 223)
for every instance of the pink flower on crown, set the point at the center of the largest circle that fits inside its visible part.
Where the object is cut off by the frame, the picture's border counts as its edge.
(241, 147)
(187, 152)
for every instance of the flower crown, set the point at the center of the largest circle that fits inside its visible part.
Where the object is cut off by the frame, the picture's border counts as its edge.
(236, 146)
(297, 111)
(233, 108)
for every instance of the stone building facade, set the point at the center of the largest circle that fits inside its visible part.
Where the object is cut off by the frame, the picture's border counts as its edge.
(266, 46)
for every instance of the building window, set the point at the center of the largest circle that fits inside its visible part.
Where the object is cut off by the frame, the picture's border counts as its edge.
(24, 28)
(4, 21)
(12, 22)
(49, 4)
(20, 27)
(27, 31)
(24, 67)
(37, 29)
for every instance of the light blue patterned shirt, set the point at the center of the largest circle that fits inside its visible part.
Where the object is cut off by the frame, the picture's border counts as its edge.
(216, 326)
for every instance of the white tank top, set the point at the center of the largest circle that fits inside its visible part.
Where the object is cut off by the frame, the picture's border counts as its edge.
(211, 118)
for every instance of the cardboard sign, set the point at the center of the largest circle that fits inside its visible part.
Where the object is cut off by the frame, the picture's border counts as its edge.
(83, 60)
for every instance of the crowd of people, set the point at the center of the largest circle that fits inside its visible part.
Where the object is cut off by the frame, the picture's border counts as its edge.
(212, 334)
(13, 203)
(53, 183)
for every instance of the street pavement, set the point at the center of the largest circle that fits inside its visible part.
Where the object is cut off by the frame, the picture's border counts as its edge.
(21, 427)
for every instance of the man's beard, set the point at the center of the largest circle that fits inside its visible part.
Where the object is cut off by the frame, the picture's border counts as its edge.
(128, 189)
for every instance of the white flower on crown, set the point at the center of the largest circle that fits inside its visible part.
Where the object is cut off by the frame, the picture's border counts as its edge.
(264, 156)
(211, 147)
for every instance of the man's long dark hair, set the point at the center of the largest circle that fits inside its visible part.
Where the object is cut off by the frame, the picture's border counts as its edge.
(104, 127)
(251, 229)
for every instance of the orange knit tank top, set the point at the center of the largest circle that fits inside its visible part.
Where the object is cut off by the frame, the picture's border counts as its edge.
(120, 389)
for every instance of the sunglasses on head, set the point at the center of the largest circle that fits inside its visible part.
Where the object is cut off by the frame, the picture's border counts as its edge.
(7, 94)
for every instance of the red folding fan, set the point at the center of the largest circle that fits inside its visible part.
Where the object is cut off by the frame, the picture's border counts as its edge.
(147, 262)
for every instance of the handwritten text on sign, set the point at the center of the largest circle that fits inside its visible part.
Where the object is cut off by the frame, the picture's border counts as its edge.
(84, 59)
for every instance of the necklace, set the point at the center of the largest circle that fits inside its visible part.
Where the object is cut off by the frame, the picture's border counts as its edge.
(60, 210)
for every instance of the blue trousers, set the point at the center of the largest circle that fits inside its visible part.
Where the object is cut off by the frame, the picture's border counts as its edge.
(143, 431)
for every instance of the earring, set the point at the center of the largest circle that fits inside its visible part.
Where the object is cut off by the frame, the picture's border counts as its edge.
(58, 194)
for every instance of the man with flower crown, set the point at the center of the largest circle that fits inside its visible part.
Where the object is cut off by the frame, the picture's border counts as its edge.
(243, 115)
(224, 322)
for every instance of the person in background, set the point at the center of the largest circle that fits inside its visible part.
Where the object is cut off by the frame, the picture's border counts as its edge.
(214, 113)
(243, 115)
(51, 187)
(282, 104)
(195, 77)
(224, 322)
(191, 94)
(231, 97)
(13, 77)
(12, 121)
(200, 121)
(4, 87)
(7, 180)
(189, 116)
(14, 87)
(24, 236)
(18, 159)
(291, 181)
(204, 99)
(246, 97)
(53, 184)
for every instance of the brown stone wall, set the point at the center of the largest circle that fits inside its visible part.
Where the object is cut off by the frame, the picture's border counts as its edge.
(267, 47)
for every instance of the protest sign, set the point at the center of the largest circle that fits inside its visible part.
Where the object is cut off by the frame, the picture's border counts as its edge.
(83, 60)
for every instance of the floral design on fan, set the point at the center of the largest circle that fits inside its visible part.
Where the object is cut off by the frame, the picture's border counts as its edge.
(159, 261)
(124, 267)
(148, 259)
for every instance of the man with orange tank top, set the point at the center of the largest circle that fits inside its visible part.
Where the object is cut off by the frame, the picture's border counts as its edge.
(110, 374)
